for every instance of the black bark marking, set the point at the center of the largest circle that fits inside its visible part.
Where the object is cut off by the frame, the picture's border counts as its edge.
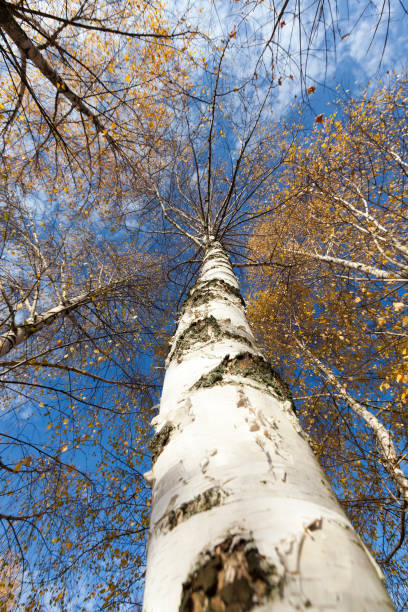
(199, 331)
(217, 254)
(203, 292)
(200, 503)
(159, 441)
(234, 577)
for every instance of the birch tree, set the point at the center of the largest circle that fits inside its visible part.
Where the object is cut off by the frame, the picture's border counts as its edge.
(82, 94)
(237, 489)
(81, 110)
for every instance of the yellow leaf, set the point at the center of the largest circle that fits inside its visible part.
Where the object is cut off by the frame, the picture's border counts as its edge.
(18, 466)
(49, 426)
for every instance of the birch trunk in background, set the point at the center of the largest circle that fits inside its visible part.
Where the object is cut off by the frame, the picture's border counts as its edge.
(20, 333)
(243, 517)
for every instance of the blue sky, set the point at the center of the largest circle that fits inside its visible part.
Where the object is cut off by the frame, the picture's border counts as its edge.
(358, 56)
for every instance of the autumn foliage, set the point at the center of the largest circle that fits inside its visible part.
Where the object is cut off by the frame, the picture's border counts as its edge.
(330, 300)
(83, 95)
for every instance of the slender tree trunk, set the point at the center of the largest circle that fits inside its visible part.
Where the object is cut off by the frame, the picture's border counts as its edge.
(20, 333)
(243, 517)
(388, 455)
(30, 50)
(353, 265)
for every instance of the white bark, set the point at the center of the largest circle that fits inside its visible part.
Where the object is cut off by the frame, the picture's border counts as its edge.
(20, 333)
(373, 225)
(241, 510)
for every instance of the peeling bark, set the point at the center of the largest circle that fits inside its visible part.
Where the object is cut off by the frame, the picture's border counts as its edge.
(243, 517)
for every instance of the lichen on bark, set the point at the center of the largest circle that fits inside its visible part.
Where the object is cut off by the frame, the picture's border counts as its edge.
(159, 441)
(203, 331)
(217, 255)
(199, 331)
(250, 366)
(234, 577)
(205, 291)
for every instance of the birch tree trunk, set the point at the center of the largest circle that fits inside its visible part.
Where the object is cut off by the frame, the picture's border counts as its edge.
(20, 333)
(243, 517)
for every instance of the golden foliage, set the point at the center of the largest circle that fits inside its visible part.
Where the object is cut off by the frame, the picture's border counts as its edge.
(335, 279)
(9, 582)
(116, 116)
